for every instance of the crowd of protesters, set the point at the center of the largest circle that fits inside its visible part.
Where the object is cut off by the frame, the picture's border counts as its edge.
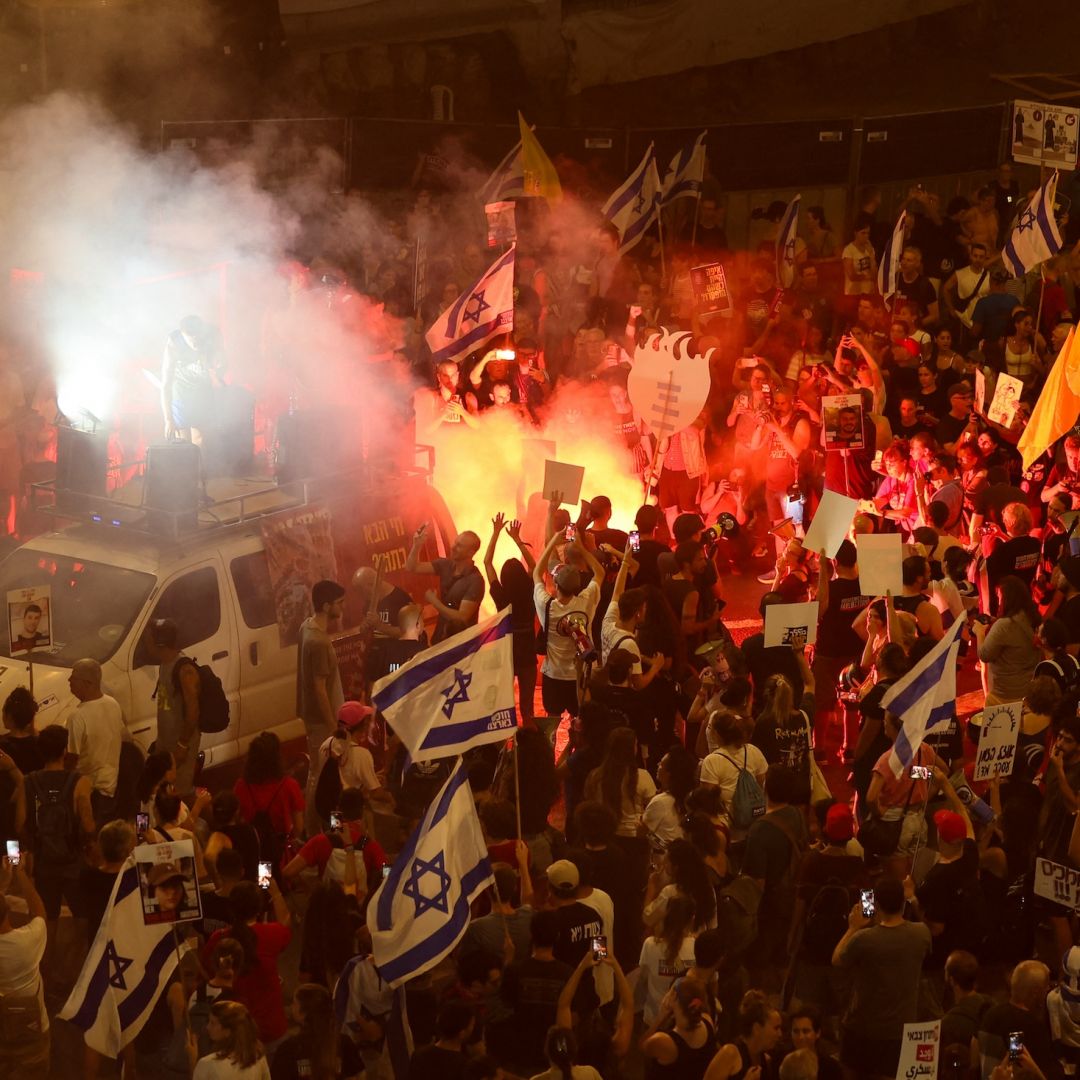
(687, 885)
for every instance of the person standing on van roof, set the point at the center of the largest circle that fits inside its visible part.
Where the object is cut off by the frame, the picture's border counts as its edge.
(177, 697)
(95, 731)
(192, 372)
(318, 685)
(461, 585)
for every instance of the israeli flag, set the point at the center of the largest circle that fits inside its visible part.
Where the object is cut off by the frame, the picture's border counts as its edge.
(419, 913)
(1036, 237)
(923, 698)
(126, 971)
(786, 236)
(508, 179)
(455, 696)
(686, 173)
(483, 311)
(888, 271)
(634, 207)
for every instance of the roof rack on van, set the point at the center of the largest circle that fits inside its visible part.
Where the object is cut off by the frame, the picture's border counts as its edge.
(228, 501)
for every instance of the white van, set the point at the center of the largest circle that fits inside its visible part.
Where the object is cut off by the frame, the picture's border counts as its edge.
(108, 582)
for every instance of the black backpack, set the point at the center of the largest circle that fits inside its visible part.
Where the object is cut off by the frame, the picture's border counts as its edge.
(56, 828)
(271, 842)
(328, 788)
(213, 704)
(542, 633)
(826, 920)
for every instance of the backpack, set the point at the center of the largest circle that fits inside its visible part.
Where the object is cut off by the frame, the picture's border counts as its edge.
(542, 633)
(56, 834)
(328, 788)
(748, 800)
(737, 906)
(213, 704)
(271, 842)
(826, 921)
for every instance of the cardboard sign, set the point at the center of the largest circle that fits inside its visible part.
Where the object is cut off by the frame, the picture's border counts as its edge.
(997, 742)
(919, 1051)
(668, 384)
(1044, 134)
(791, 624)
(168, 882)
(832, 520)
(502, 224)
(880, 564)
(562, 477)
(711, 296)
(1007, 391)
(1056, 882)
(30, 620)
(980, 391)
(842, 421)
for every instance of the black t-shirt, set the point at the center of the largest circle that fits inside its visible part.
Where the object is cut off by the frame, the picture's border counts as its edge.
(292, 1059)
(762, 662)
(1018, 557)
(389, 607)
(578, 925)
(788, 744)
(950, 895)
(949, 428)
(648, 572)
(95, 888)
(218, 913)
(1002, 1019)
(435, 1063)
(532, 990)
(24, 752)
(921, 291)
(835, 636)
(610, 872)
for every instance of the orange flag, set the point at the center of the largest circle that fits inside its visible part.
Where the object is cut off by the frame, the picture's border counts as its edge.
(1058, 406)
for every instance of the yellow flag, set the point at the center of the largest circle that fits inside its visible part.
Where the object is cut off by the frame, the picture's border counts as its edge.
(540, 177)
(1058, 406)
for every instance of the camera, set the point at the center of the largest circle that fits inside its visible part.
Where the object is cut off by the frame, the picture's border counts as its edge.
(572, 625)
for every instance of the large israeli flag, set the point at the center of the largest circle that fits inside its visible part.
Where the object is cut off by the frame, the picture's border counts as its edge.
(419, 913)
(507, 181)
(686, 173)
(455, 696)
(125, 972)
(888, 272)
(634, 207)
(786, 235)
(483, 311)
(1036, 237)
(923, 698)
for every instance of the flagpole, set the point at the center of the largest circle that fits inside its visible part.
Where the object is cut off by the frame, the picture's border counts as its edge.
(517, 788)
(1042, 295)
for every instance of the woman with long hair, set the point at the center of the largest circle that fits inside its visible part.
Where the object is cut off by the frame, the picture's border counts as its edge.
(561, 1050)
(710, 842)
(227, 831)
(663, 817)
(734, 752)
(783, 728)
(237, 1053)
(947, 363)
(668, 953)
(1022, 349)
(681, 874)
(682, 1040)
(759, 1032)
(266, 790)
(1008, 648)
(317, 1051)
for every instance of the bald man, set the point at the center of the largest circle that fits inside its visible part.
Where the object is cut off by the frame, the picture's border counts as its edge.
(382, 615)
(461, 585)
(95, 731)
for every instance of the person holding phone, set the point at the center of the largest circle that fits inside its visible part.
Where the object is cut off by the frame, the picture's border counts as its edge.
(22, 949)
(1020, 1020)
(353, 836)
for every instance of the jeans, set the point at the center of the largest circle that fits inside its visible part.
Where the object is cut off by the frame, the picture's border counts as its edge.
(316, 736)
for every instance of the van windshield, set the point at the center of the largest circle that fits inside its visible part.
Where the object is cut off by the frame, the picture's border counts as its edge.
(91, 607)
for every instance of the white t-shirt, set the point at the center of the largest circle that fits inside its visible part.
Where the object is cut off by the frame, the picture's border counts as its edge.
(20, 962)
(864, 262)
(356, 766)
(717, 769)
(212, 1067)
(662, 820)
(632, 809)
(95, 731)
(559, 661)
(656, 909)
(657, 973)
(603, 976)
(612, 637)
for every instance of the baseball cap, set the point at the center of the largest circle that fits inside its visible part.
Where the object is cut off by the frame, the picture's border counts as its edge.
(839, 824)
(568, 579)
(563, 877)
(162, 872)
(352, 713)
(951, 827)
(999, 275)
(1070, 975)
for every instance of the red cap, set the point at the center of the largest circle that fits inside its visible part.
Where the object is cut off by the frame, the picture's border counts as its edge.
(352, 713)
(951, 827)
(839, 824)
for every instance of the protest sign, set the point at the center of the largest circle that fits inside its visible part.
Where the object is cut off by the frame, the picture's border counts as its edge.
(668, 384)
(168, 882)
(1044, 134)
(711, 296)
(843, 421)
(980, 391)
(791, 624)
(1006, 397)
(997, 742)
(919, 1051)
(566, 479)
(1056, 882)
(502, 224)
(880, 564)
(30, 619)
(832, 519)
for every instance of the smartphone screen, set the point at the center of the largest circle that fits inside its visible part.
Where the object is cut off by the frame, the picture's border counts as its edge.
(1016, 1044)
(142, 824)
(264, 875)
(866, 896)
(335, 820)
(571, 532)
(920, 772)
(13, 853)
(635, 540)
(599, 947)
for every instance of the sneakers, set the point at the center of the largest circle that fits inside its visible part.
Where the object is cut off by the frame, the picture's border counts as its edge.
(767, 579)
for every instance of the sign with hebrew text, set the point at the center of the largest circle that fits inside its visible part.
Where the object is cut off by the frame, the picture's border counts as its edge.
(1054, 881)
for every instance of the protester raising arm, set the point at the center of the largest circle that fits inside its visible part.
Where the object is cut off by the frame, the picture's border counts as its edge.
(513, 530)
(412, 561)
(497, 524)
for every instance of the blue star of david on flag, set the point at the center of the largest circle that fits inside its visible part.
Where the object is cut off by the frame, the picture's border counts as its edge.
(457, 693)
(1027, 221)
(639, 203)
(421, 868)
(472, 313)
(115, 966)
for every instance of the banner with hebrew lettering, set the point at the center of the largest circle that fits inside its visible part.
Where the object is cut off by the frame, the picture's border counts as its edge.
(1056, 882)
(668, 383)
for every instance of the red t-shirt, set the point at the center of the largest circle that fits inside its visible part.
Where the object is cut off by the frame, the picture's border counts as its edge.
(260, 988)
(316, 852)
(282, 798)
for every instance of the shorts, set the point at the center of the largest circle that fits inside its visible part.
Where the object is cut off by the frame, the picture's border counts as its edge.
(679, 490)
(869, 1057)
(194, 407)
(559, 696)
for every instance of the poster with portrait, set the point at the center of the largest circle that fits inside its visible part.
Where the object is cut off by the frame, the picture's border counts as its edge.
(30, 620)
(502, 224)
(168, 882)
(843, 422)
(1044, 134)
(1007, 391)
